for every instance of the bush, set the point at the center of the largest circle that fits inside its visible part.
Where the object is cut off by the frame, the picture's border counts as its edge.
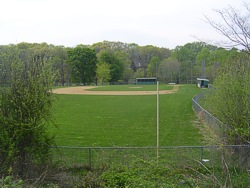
(25, 112)
(9, 182)
(144, 174)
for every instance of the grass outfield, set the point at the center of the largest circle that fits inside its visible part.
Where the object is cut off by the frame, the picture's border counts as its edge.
(86, 120)
(131, 88)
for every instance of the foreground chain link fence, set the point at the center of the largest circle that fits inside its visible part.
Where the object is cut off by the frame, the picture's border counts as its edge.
(102, 157)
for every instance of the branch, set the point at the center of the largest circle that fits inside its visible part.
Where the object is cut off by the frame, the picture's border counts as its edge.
(235, 27)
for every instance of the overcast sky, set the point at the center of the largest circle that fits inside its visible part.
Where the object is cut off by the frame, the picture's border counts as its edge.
(162, 23)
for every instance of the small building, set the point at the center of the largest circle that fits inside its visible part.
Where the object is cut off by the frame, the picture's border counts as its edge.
(202, 83)
(146, 80)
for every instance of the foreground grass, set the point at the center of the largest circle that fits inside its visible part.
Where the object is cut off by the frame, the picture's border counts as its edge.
(126, 120)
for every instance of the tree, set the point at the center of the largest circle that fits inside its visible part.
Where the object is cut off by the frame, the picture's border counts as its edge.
(26, 102)
(170, 70)
(116, 66)
(229, 100)
(146, 53)
(60, 65)
(233, 26)
(153, 67)
(140, 73)
(103, 72)
(128, 74)
(83, 62)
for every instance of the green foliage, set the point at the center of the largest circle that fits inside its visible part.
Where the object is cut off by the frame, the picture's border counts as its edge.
(140, 73)
(170, 70)
(144, 174)
(116, 66)
(229, 100)
(103, 72)
(83, 62)
(9, 182)
(202, 55)
(182, 64)
(128, 74)
(25, 111)
(60, 65)
(153, 67)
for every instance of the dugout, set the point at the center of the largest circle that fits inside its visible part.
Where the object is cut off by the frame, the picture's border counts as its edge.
(146, 80)
(201, 82)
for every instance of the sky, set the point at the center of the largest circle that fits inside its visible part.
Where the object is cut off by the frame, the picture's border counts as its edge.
(162, 23)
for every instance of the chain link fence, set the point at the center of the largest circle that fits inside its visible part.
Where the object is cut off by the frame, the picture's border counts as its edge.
(219, 128)
(212, 121)
(103, 157)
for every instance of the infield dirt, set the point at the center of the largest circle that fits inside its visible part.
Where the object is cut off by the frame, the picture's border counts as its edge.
(84, 90)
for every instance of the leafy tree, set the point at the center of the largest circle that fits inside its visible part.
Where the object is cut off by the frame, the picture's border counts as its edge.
(128, 74)
(116, 66)
(146, 53)
(202, 55)
(229, 101)
(230, 98)
(133, 50)
(140, 73)
(60, 65)
(153, 67)
(83, 62)
(170, 70)
(25, 112)
(182, 54)
(103, 72)
(190, 57)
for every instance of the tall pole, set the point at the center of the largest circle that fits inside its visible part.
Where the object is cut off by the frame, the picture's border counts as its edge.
(157, 135)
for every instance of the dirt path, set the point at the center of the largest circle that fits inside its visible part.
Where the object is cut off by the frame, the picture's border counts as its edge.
(83, 90)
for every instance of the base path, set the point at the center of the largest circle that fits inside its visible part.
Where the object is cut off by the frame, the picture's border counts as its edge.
(83, 90)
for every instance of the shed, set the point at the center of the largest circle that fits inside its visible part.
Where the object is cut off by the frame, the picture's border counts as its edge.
(146, 80)
(201, 82)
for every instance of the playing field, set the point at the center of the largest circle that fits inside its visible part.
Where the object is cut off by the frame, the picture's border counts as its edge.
(106, 120)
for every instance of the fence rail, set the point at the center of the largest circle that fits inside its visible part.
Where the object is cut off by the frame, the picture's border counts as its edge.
(101, 157)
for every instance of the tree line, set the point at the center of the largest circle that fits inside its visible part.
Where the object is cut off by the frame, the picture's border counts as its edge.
(117, 62)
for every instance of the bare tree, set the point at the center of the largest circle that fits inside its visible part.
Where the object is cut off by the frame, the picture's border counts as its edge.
(234, 25)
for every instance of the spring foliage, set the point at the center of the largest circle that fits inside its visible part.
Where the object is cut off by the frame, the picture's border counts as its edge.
(25, 111)
(230, 98)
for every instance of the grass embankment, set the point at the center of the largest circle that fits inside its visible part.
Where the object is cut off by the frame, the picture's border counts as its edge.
(86, 120)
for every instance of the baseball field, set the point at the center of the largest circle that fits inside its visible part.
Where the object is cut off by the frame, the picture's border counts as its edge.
(125, 116)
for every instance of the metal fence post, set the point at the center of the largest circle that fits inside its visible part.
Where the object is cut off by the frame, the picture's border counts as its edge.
(89, 152)
(201, 154)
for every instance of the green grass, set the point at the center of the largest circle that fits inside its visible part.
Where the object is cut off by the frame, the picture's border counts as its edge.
(131, 88)
(86, 120)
